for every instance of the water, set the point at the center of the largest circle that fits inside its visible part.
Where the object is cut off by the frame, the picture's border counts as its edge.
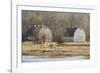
(45, 58)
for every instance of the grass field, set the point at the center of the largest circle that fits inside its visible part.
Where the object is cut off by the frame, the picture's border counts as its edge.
(56, 50)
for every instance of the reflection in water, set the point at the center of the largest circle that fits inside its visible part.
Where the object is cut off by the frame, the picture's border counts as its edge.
(45, 58)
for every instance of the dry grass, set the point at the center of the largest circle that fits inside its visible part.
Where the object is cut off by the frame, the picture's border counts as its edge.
(65, 49)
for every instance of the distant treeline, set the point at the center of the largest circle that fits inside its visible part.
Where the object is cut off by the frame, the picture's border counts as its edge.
(62, 24)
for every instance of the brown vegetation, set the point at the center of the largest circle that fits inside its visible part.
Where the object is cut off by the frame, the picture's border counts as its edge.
(65, 49)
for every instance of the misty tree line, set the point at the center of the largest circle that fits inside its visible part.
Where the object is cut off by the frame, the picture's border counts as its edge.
(59, 22)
